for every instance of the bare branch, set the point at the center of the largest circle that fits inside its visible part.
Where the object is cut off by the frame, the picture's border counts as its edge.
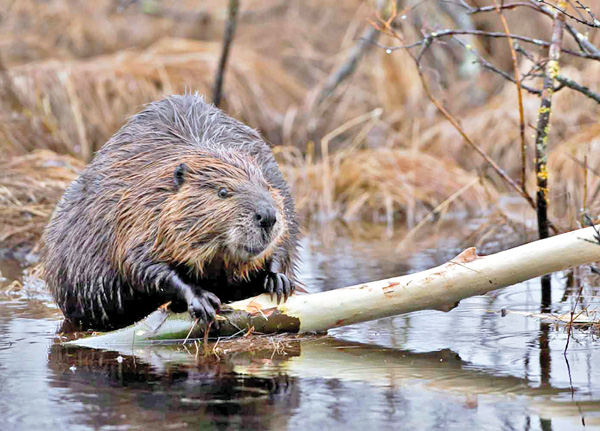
(234, 6)
(578, 87)
(594, 23)
(387, 29)
(348, 67)
(589, 12)
(429, 37)
(475, 10)
(541, 142)
(467, 139)
(537, 5)
(584, 44)
(464, 276)
(513, 55)
(495, 69)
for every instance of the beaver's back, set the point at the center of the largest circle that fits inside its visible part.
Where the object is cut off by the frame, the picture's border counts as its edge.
(81, 236)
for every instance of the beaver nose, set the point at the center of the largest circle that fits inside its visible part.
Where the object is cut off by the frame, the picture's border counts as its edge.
(265, 217)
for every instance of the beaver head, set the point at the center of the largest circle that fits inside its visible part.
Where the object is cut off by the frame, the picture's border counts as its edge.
(216, 205)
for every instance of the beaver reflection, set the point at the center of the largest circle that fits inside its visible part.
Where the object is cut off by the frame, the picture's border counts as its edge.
(123, 391)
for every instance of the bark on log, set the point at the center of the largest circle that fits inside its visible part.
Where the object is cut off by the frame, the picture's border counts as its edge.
(439, 288)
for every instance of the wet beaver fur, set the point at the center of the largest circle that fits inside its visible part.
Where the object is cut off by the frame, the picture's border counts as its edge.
(182, 204)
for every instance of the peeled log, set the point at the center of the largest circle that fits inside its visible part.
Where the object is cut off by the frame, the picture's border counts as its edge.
(439, 288)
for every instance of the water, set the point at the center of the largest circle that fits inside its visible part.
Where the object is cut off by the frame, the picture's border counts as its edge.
(469, 368)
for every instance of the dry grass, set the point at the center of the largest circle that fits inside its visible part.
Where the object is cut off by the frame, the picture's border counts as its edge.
(30, 186)
(261, 346)
(495, 125)
(375, 150)
(575, 179)
(381, 184)
(36, 30)
(86, 101)
(107, 63)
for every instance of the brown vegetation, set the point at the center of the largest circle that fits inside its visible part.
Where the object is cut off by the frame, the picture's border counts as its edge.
(30, 186)
(375, 149)
(379, 184)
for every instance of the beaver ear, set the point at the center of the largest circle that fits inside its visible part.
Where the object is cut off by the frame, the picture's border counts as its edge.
(179, 176)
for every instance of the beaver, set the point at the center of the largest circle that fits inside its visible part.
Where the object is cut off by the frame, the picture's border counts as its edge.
(183, 204)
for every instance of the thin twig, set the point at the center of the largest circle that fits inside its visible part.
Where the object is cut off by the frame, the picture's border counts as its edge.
(430, 37)
(584, 164)
(385, 27)
(468, 140)
(464, 135)
(593, 23)
(349, 65)
(584, 44)
(190, 332)
(475, 10)
(495, 69)
(572, 318)
(585, 8)
(513, 55)
(436, 211)
(570, 2)
(578, 87)
(561, 10)
(234, 6)
(206, 331)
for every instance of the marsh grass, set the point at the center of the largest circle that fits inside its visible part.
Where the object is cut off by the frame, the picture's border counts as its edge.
(378, 185)
(30, 186)
(375, 150)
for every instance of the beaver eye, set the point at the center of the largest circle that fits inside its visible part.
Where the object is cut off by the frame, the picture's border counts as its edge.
(222, 193)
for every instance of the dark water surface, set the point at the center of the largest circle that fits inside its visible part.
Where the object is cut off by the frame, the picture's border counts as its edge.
(469, 368)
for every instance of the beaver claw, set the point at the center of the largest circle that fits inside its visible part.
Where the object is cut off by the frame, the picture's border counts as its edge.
(204, 306)
(280, 285)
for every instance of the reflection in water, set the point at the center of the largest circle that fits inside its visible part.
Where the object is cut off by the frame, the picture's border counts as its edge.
(546, 285)
(546, 424)
(544, 353)
(545, 360)
(470, 368)
(120, 390)
(262, 389)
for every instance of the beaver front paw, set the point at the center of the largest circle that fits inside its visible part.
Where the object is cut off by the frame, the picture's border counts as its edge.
(279, 284)
(204, 305)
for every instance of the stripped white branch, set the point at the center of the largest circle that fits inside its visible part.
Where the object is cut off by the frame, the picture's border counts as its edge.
(438, 288)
